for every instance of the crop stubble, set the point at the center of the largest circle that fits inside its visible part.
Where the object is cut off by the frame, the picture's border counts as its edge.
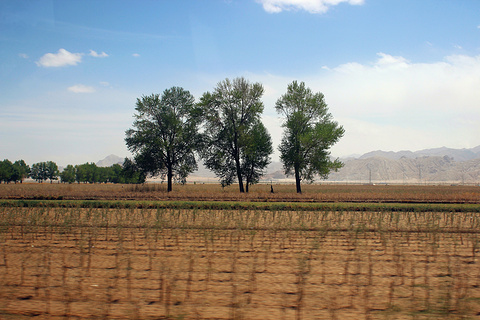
(206, 264)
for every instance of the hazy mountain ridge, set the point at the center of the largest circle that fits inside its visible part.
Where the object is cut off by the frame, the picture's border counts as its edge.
(423, 166)
(456, 154)
(442, 165)
(406, 170)
(110, 161)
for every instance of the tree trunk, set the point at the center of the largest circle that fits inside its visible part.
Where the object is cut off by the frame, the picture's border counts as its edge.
(246, 186)
(239, 175)
(169, 178)
(297, 180)
(240, 183)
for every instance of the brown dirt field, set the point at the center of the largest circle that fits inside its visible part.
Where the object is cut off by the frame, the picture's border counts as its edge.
(131, 268)
(260, 192)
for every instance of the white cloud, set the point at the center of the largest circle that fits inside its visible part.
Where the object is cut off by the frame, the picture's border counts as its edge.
(393, 84)
(23, 55)
(392, 103)
(136, 55)
(80, 88)
(97, 55)
(60, 59)
(104, 83)
(312, 6)
(412, 105)
(391, 61)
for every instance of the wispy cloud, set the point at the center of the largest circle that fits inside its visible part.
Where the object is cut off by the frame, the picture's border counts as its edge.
(97, 55)
(136, 55)
(80, 88)
(23, 55)
(312, 6)
(60, 59)
(62, 129)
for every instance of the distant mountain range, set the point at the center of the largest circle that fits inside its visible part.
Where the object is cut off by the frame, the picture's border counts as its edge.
(110, 161)
(455, 154)
(438, 165)
(425, 169)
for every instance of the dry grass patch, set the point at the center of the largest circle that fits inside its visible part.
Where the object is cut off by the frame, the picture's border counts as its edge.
(261, 192)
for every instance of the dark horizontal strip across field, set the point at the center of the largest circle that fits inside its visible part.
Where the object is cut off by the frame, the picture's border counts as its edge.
(233, 205)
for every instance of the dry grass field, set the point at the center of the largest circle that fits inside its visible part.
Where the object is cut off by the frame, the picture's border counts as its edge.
(260, 192)
(176, 263)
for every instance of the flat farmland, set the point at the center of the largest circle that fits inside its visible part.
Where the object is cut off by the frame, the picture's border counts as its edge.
(64, 260)
(259, 192)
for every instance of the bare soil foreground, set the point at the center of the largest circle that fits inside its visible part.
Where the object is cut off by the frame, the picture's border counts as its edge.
(176, 263)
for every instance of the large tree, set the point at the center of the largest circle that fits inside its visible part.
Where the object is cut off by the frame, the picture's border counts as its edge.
(165, 134)
(42, 171)
(308, 135)
(257, 153)
(232, 119)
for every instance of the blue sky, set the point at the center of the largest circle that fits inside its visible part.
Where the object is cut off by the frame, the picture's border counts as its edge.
(397, 74)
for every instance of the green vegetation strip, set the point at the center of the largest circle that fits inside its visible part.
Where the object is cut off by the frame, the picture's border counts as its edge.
(229, 205)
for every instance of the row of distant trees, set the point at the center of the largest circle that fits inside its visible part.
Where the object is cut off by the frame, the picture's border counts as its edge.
(13, 172)
(83, 173)
(224, 128)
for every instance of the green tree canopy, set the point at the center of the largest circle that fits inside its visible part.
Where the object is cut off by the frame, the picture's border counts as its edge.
(42, 171)
(52, 172)
(308, 135)
(257, 153)
(131, 173)
(6, 171)
(232, 119)
(86, 173)
(165, 135)
(115, 174)
(20, 171)
(39, 171)
(68, 174)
